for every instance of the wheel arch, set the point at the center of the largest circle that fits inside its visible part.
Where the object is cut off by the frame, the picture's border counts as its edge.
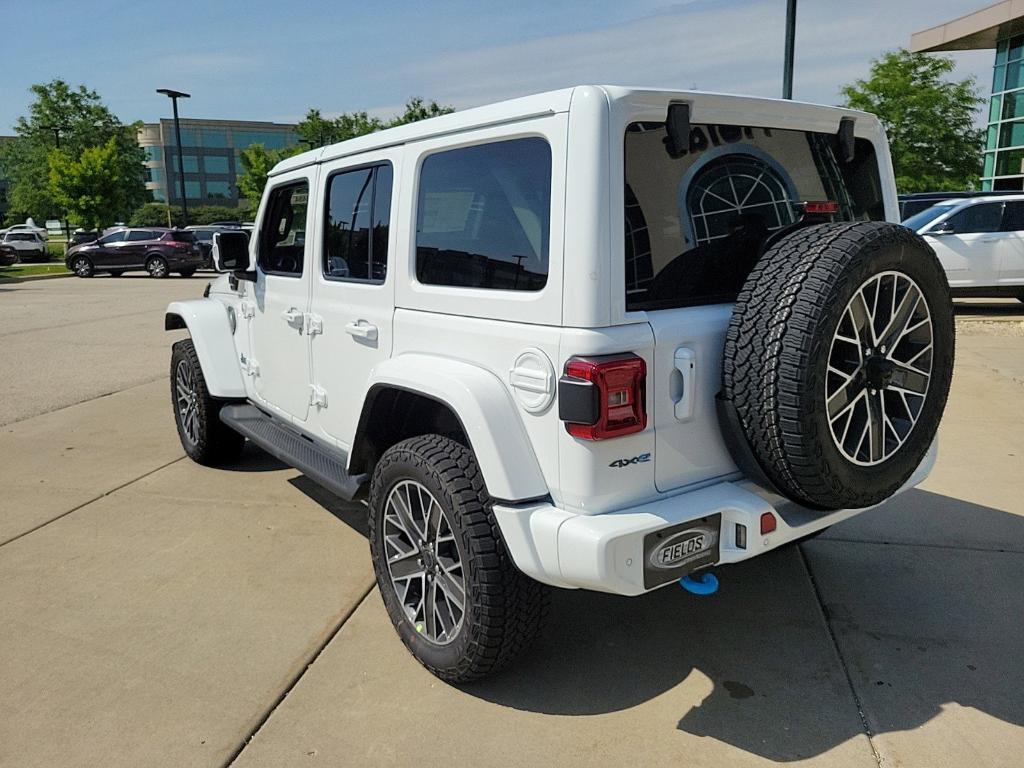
(207, 323)
(415, 394)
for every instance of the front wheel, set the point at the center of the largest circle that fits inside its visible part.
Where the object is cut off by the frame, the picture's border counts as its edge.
(205, 438)
(82, 267)
(157, 266)
(455, 597)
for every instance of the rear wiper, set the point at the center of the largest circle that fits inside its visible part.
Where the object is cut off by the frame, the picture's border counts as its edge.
(677, 126)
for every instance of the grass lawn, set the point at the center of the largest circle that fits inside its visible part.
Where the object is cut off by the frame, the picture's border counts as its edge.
(23, 270)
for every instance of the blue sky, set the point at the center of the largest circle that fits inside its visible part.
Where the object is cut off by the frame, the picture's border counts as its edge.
(261, 60)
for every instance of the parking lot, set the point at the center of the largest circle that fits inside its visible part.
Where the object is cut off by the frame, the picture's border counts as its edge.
(156, 612)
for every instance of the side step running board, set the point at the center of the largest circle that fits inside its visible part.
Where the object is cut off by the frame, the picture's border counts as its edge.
(323, 466)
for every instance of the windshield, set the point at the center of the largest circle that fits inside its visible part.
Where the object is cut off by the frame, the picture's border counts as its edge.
(928, 215)
(697, 222)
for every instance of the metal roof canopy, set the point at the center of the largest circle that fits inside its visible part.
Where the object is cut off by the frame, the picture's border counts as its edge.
(977, 30)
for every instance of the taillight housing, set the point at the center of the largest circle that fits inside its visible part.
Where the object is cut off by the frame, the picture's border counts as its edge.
(603, 397)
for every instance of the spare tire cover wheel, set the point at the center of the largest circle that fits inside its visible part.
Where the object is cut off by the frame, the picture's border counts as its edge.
(838, 361)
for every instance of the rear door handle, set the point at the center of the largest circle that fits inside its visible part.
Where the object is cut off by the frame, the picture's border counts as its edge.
(361, 329)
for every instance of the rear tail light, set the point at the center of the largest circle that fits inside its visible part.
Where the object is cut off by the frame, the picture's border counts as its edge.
(821, 206)
(602, 397)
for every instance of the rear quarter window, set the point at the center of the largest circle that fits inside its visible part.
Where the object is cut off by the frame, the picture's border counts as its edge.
(696, 223)
(483, 216)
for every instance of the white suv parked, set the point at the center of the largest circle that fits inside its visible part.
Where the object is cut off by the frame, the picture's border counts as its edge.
(598, 338)
(979, 242)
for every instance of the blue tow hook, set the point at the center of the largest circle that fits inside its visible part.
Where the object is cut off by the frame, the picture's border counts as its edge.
(703, 583)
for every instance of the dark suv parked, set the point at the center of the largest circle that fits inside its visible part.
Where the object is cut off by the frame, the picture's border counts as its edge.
(158, 251)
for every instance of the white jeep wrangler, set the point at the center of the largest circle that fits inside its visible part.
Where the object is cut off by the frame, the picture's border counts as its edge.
(598, 338)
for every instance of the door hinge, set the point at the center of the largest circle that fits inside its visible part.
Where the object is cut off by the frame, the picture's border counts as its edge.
(317, 396)
(314, 324)
(249, 366)
(248, 309)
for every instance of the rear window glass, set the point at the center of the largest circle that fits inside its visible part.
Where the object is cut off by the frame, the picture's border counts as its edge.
(696, 224)
(483, 216)
(181, 236)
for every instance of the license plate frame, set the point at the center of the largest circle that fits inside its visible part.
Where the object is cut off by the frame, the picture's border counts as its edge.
(671, 553)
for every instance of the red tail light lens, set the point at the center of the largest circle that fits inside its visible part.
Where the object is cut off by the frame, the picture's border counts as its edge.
(821, 206)
(608, 396)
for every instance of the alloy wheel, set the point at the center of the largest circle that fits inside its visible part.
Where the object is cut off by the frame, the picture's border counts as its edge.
(424, 562)
(879, 367)
(186, 399)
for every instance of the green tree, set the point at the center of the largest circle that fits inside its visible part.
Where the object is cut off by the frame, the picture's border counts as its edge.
(88, 187)
(257, 161)
(76, 119)
(417, 109)
(929, 119)
(315, 130)
(154, 215)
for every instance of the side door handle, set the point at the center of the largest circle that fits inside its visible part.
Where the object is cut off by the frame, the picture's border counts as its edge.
(360, 329)
(293, 317)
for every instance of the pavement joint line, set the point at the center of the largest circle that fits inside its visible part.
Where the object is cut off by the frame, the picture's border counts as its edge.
(106, 493)
(957, 548)
(77, 325)
(842, 660)
(86, 400)
(299, 675)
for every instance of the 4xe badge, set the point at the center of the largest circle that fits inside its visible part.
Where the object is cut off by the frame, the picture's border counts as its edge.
(620, 463)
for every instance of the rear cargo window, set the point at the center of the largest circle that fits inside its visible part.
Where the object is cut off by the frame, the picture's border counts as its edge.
(695, 224)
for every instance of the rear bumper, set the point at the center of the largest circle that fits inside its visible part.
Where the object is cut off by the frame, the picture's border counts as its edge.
(606, 552)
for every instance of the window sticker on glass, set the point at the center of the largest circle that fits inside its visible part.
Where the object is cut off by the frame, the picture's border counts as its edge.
(446, 211)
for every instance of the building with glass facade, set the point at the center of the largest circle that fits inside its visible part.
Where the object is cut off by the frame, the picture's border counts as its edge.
(999, 27)
(211, 152)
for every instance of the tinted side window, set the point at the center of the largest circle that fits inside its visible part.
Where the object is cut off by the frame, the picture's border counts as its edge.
(1013, 216)
(983, 217)
(358, 214)
(283, 234)
(483, 216)
(113, 237)
(141, 234)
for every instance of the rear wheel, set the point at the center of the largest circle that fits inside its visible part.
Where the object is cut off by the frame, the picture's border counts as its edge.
(455, 597)
(82, 266)
(205, 438)
(156, 266)
(838, 360)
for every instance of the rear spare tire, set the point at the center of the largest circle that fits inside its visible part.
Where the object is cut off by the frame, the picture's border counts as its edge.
(838, 360)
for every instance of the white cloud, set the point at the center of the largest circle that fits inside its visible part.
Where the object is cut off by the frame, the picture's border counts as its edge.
(733, 47)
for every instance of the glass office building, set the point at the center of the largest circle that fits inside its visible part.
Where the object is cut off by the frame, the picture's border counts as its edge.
(999, 27)
(210, 153)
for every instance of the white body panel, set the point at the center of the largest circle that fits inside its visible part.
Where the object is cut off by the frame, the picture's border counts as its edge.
(974, 261)
(572, 512)
(208, 323)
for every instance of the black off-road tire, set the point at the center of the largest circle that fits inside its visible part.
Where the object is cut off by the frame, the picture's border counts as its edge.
(504, 609)
(215, 443)
(777, 354)
(82, 266)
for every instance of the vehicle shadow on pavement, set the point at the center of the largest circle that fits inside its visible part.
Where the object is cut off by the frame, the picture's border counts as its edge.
(757, 667)
(1012, 307)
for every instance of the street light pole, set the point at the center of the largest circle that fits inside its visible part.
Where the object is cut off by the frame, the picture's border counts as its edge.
(174, 96)
(787, 64)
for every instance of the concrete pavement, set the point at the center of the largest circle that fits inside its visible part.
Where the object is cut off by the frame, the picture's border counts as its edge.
(161, 613)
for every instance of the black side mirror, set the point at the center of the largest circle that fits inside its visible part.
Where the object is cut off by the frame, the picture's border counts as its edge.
(231, 252)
